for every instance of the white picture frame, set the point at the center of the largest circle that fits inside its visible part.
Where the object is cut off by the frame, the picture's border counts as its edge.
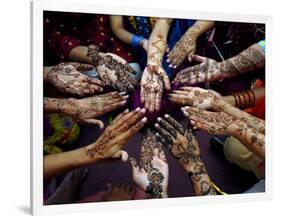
(37, 8)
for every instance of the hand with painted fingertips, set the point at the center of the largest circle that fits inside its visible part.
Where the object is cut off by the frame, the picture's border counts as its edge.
(152, 173)
(184, 146)
(67, 78)
(119, 192)
(194, 96)
(206, 71)
(110, 144)
(153, 82)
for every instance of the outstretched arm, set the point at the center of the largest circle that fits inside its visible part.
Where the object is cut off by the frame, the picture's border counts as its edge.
(154, 78)
(209, 70)
(108, 146)
(122, 34)
(186, 46)
(184, 147)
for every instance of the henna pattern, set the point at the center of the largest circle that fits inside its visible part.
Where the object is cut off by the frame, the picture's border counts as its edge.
(206, 188)
(93, 53)
(119, 73)
(159, 50)
(155, 185)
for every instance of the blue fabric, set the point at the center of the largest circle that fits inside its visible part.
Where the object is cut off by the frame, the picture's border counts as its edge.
(136, 41)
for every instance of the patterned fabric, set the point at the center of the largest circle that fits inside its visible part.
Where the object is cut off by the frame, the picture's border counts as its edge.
(63, 31)
(58, 130)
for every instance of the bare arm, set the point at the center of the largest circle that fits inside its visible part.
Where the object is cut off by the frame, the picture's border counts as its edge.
(116, 23)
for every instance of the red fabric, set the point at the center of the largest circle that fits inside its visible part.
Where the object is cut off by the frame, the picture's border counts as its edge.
(64, 31)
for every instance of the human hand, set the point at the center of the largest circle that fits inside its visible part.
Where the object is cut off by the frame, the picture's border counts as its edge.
(67, 79)
(215, 123)
(153, 80)
(116, 72)
(183, 49)
(111, 142)
(180, 141)
(87, 109)
(194, 96)
(119, 192)
(208, 70)
(152, 174)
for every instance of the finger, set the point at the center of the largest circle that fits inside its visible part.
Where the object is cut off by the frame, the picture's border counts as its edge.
(152, 101)
(81, 66)
(121, 154)
(113, 106)
(147, 100)
(163, 132)
(117, 118)
(190, 56)
(135, 128)
(95, 81)
(134, 165)
(188, 88)
(161, 138)
(198, 58)
(95, 121)
(124, 121)
(142, 96)
(158, 98)
(161, 155)
(108, 189)
(167, 126)
(166, 81)
(174, 123)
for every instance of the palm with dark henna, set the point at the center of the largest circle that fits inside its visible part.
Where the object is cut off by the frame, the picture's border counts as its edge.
(152, 174)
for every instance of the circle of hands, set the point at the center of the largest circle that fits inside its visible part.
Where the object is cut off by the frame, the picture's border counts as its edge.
(152, 173)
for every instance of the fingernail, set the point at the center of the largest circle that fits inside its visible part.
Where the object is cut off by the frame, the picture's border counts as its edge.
(166, 115)
(122, 93)
(183, 109)
(138, 109)
(123, 102)
(170, 65)
(144, 119)
(126, 96)
(175, 67)
(143, 110)
(126, 110)
(192, 122)
(167, 60)
(156, 125)
(158, 119)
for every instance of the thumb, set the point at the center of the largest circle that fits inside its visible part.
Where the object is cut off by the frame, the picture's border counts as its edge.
(121, 154)
(166, 82)
(197, 58)
(82, 66)
(134, 165)
(95, 121)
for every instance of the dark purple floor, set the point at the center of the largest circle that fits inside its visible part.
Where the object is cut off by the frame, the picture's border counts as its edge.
(228, 177)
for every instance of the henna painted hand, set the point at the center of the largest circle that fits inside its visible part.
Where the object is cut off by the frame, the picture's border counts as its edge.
(116, 72)
(87, 109)
(208, 70)
(153, 80)
(184, 48)
(152, 174)
(119, 192)
(194, 96)
(215, 123)
(67, 78)
(109, 145)
(180, 141)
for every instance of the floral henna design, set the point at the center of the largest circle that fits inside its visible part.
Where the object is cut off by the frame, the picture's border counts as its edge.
(118, 72)
(155, 185)
(93, 53)
(66, 78)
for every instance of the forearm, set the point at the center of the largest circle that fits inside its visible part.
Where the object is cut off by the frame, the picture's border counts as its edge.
(116, 23)
(55, 105)
(251, 59)
(199, 28)
(56, 164)
(157, 44)
(243, 99)
(201, 182)
(250, 138)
